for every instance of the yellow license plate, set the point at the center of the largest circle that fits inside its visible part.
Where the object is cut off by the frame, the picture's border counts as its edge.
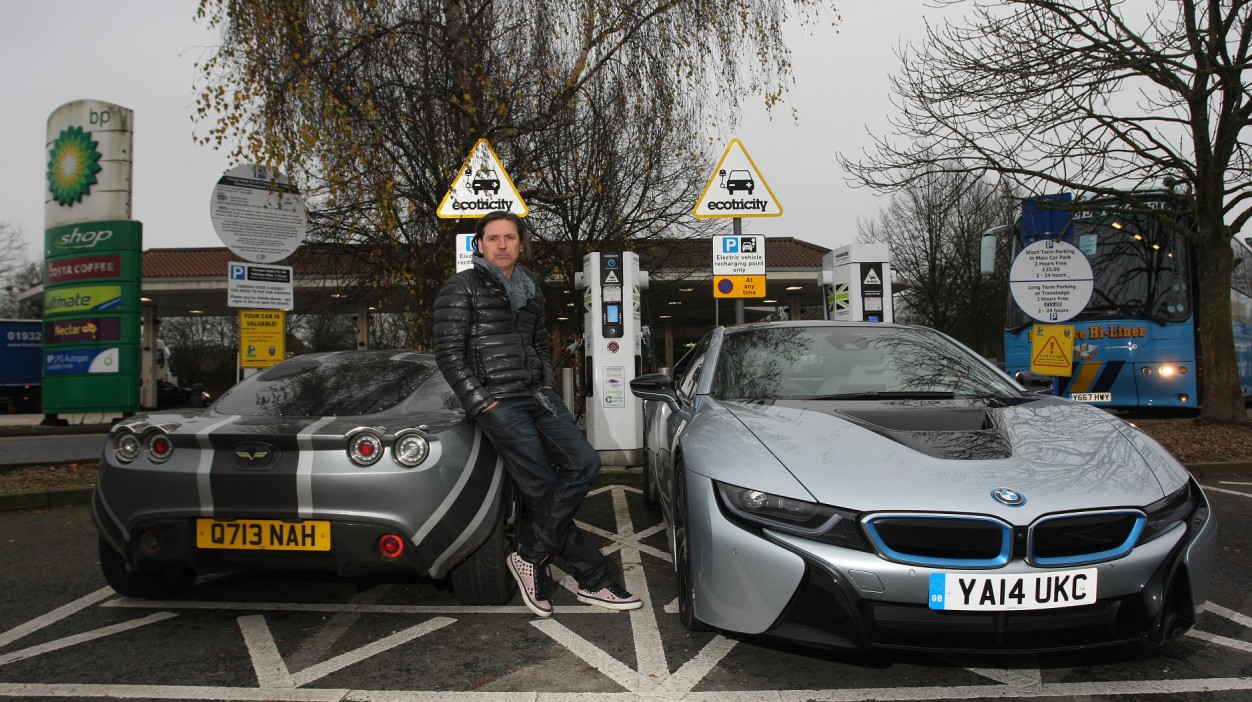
(263, 535)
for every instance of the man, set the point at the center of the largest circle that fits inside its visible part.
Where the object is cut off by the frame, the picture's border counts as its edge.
(491, 344)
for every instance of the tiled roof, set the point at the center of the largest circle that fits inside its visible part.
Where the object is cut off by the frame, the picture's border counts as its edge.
(323, 259)
(310, 259)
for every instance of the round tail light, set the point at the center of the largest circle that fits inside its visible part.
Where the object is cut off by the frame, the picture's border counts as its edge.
(390, 546)
(159, 447)
(149, 543)
(410, 449)
(127, 447)
(365, 449)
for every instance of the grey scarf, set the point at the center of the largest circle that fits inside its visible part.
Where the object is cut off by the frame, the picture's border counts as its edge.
(520, 289)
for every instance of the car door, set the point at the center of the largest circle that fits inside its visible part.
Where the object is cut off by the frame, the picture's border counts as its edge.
(671, 424)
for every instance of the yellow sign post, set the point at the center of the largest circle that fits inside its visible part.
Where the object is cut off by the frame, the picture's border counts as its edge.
(1052, 349)
(262, 338)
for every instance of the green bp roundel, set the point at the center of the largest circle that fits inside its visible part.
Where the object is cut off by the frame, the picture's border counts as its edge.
(73, 166)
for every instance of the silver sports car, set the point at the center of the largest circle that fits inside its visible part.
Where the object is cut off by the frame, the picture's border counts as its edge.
(355, 461)
(870, 485)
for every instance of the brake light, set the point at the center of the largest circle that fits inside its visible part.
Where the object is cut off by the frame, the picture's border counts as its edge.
(390, 546)
(159, 447)
(365, 449)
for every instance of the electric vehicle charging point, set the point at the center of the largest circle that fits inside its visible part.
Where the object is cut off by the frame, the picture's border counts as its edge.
(611, 282)
(856, 280)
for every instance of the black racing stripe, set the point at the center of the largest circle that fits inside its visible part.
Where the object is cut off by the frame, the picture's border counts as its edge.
(467, 504)
(1104, 381)
(240, 491)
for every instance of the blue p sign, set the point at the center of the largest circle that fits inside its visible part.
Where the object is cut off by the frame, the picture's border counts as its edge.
(730, 244)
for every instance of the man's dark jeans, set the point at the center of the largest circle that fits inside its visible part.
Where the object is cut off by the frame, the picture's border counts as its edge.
(553, 467)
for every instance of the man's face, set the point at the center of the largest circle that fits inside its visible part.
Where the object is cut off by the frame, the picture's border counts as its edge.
(501, 245)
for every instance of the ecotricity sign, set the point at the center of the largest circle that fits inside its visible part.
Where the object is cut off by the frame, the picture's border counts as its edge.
(737, 189)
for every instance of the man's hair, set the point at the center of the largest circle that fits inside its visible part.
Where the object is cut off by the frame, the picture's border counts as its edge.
(523, 234)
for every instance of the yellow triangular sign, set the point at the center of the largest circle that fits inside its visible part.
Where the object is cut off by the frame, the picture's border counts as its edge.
(737, 189)
(480, 187)
(1052, 349)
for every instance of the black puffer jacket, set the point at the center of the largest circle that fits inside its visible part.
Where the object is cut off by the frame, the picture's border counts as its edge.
(486, 350)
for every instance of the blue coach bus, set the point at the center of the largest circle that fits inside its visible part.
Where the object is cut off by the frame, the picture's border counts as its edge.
(1135, 344)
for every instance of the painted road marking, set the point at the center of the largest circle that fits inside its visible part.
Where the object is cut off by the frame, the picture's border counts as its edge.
(1019, 677)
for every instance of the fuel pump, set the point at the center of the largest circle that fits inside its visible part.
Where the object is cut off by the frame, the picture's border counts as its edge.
(856, 280)
(611, 282)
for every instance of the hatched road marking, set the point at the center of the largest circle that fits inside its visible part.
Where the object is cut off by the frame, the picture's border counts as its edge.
(278, 675)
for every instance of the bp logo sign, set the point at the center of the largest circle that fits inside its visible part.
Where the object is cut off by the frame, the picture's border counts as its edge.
(72, 166)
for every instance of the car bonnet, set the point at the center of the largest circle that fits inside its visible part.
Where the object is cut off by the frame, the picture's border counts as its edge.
(1061, 456)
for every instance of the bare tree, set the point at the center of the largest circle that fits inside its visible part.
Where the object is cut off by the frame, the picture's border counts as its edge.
(16, 272)
(205, 349)
(372, 106)
(934, 229)
(1097, 97)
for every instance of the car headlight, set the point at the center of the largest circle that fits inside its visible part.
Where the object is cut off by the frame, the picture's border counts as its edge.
(808, 519)
(1168, 511)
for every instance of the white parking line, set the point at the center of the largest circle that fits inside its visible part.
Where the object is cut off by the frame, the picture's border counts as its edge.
(54, 616)
(92, 635)
(650, 679)
(1210, 488)
(1236, 617)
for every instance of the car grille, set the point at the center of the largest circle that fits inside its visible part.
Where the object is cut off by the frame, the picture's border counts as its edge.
(1073, 539)
(972, 541)
(941, 540)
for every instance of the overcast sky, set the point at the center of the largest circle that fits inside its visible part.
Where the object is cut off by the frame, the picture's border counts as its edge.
(141, 54)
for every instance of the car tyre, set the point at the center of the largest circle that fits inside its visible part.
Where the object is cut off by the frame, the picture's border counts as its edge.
(157, 584)
(484, 578)
(682, 556)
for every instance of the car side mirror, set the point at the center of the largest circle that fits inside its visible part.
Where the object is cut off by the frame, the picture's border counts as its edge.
(987, 250)
(1035, 383)
(658, 387)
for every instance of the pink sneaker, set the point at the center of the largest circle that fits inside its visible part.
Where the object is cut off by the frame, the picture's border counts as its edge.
(532, 580)
(611, 596)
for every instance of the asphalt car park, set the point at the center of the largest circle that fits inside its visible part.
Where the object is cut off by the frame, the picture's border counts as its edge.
(295, 635)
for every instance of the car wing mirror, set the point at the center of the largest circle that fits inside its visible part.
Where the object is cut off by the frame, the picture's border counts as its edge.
(658, 387)
(1035, 383)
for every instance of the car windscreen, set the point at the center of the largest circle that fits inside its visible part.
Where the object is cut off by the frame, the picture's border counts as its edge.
(826, 362)
(342, 385)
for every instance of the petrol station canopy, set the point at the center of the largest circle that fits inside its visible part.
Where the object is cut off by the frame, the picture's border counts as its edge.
(679, 300)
